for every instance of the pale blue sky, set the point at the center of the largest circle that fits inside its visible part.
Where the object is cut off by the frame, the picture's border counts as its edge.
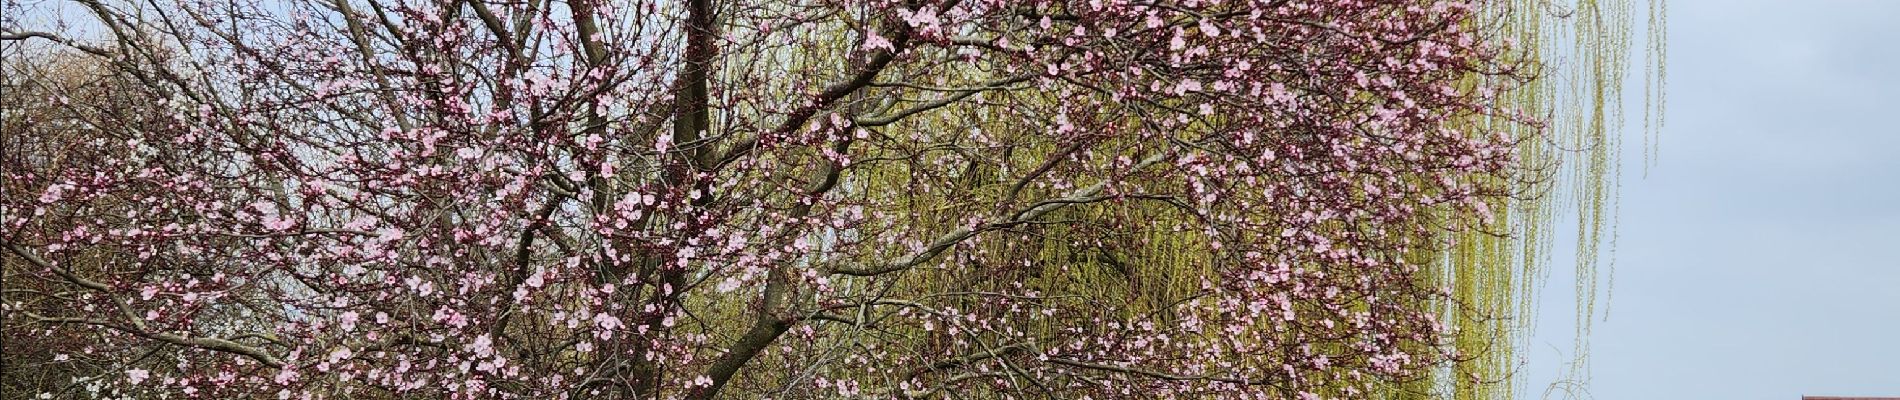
(1761, 258)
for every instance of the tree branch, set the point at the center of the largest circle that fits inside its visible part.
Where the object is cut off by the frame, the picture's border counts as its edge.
(1089, 194)
(900, 41)
(137, 327)
(888, 119)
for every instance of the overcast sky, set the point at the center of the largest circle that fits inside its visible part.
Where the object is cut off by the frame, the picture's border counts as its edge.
(1761, 258)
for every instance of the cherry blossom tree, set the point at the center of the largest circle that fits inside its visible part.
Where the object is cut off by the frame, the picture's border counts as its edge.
(734, 199)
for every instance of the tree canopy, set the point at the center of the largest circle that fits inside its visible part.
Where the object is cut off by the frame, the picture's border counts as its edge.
(806, 199)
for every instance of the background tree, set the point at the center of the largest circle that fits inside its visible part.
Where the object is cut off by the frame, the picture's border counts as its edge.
(823, 199)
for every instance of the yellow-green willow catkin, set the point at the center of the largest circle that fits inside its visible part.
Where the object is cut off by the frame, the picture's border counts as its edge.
(1583, 48)
(1655, 81)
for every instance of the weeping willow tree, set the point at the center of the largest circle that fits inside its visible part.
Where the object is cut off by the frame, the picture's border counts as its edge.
(1569, 186)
